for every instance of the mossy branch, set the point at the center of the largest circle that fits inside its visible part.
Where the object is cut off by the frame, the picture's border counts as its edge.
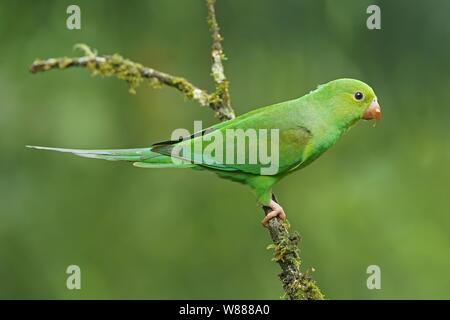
(134, 74)
(218, 57)
(296, 284)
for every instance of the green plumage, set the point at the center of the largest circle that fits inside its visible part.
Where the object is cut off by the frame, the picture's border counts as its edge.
(307, 126)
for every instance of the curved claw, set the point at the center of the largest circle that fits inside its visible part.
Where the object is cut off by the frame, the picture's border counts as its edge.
(277, 211)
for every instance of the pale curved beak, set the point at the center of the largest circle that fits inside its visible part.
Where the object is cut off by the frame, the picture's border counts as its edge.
(373, 112)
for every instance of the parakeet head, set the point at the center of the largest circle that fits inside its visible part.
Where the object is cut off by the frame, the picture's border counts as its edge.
(352, 100)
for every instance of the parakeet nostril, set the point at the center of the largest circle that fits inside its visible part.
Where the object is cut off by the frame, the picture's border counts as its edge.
(373, 112)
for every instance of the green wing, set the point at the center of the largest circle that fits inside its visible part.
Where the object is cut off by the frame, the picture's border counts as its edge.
(293, 140)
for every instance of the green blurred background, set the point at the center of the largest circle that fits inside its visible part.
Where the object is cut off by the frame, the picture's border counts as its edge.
(380, 196)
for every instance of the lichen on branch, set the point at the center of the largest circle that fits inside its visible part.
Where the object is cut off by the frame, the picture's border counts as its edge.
(132, 72)
(297, 285)
(218, 57)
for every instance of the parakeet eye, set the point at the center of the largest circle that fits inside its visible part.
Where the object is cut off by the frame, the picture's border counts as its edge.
(358, 96)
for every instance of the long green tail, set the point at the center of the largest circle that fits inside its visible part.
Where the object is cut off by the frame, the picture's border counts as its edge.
(141, 157)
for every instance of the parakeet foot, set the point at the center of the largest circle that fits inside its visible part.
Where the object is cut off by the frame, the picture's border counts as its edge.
(277, 211)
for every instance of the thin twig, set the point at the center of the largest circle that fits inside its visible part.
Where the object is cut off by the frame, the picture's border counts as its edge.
(134, 73)
(217, 69)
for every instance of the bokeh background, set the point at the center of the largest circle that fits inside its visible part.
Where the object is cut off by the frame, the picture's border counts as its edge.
(380, 196)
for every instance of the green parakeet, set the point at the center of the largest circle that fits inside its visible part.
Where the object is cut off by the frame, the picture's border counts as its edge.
(306, 127)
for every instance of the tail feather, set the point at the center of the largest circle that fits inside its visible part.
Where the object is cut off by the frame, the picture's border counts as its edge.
(138, 154)
(141, 157)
